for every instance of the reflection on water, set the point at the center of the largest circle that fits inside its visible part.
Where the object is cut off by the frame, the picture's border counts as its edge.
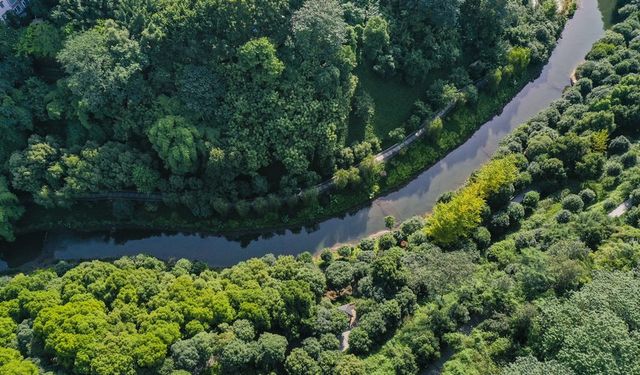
(608, 9)
(416, 198)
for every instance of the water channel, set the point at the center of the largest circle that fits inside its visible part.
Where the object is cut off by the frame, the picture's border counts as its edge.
(416, 198)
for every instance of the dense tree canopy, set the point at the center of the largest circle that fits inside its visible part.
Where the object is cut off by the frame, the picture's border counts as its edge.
(234, 108)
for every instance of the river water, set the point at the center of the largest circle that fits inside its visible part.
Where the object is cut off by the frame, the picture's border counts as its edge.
(416, 198)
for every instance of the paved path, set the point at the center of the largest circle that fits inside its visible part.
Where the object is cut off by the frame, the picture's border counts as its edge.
(344, 342)
(520, 197)
(621, 209)
(395, 149)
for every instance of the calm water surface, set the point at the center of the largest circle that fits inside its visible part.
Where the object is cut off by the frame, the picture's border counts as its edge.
(416, 198)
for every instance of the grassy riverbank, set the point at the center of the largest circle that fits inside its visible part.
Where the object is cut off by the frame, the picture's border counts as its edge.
(393, 98)
(459, 125)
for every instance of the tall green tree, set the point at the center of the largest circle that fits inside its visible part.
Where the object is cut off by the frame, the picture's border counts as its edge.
(10, 210)
(175, 141)
(104, 65)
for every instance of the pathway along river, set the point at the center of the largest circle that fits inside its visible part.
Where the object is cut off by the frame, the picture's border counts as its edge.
(416, 198)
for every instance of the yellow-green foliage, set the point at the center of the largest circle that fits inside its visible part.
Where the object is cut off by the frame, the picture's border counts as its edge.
(600, 140)
(11, 362)
(518, 58)
(621, 252)
(455, 219)
(494, 175)
(123, 317)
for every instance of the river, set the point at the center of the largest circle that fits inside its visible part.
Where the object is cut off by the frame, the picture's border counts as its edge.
(416, 198)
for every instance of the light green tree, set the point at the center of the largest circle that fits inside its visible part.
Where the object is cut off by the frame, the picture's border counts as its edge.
(174, 139)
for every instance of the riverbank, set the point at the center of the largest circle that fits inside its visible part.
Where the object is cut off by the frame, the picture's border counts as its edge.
(459, 126)
(296, 211)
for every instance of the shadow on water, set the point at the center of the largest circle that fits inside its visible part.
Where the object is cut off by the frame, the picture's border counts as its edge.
(416, 198)
(608, 8)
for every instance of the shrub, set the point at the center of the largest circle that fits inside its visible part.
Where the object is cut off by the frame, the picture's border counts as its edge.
(482, 236)
(411, 226)
(345, 251)
(418, 238)
(525, 239)
(242, 208)
(339, 274)
(635, 197)
(609, 182)
(613, 168)
(326, 255)
(590, 166)
(593, 228)
(500, 221)
(346, 177)
(531, 200)
(514, 146)
(501, 197)
(515, 212)
(389, 222)
(398, 235)
(588, 196)
(572, 203)
(584, 85)
(632, 216)
(359, 341)
(563, 216)
(619, 145)
(425, 345)
(486, 213)
(609, 205)
(629, 159)
(367, 244)
(504, 252)
(386, 241)
(445, 197)
(434, 129)
(366, 256)
(524, 179)
(467, 245)
(329, 341)
(573, 96)
(397, 135)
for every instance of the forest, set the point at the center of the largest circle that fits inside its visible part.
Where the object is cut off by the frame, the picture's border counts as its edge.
(232, 109)
(532, 267)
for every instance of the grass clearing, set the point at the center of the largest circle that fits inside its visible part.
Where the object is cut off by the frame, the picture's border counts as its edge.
(393, 99)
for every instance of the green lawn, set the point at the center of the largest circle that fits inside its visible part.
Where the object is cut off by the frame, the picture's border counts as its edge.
(393, 98)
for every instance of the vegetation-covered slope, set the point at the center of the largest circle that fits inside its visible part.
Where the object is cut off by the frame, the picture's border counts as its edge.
(232, 107)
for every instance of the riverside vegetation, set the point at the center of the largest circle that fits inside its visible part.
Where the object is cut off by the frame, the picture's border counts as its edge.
(547, 283)
(227, 110)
